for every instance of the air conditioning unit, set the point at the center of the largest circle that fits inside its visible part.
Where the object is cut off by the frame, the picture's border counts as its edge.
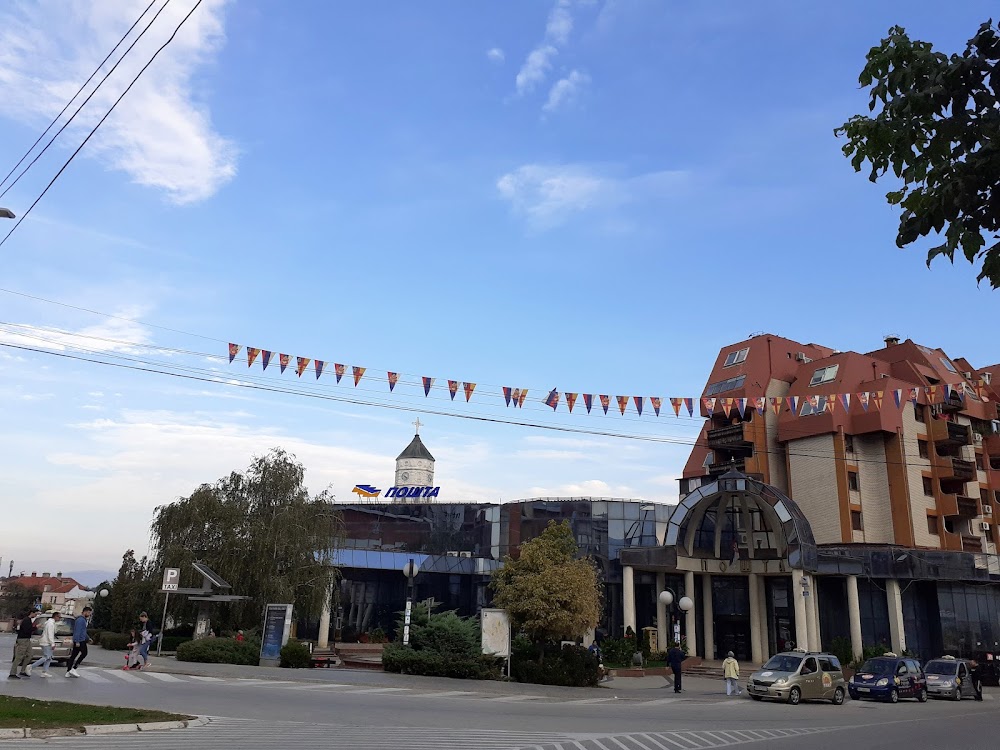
(987, 510)
(801, 357)
(984, 526)
(967, 375)
(743, 538)
(987, 377)
(464, 554)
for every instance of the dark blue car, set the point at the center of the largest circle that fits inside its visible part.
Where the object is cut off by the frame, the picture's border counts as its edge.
(889, 678)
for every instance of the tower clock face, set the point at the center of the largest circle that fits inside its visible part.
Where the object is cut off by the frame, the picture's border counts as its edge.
(405, 476)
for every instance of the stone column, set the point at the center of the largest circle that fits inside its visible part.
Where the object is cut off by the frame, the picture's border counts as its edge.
(708, 611)
(801, 618)
(765, 645)
(854, 615)
(691, 620)
(897, 633)
(323, 639)
(815, 636)
(628, 598)
(756, 652)
(662, 636)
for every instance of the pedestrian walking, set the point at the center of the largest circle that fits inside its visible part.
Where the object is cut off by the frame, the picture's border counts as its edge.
(48, 643)
(80, 639)
(675, 657)
(731, 670)
(21, 666)
(976, 674)
(145, 633)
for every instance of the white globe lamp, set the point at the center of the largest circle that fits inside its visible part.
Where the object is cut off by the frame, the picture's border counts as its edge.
(666, 598)
(103, 593)
(685, 603)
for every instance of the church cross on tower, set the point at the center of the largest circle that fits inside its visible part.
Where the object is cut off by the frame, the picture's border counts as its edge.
(417, 425)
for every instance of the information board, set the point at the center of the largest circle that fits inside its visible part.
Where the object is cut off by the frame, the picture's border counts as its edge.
(277, 625)
(496, 632)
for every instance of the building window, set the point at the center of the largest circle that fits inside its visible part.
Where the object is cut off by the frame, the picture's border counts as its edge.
(849, 443)
(980, 464)
(918, 413)
(856, 520)
(725, 385)
(824, 375)
(852, 481)
(928, 486)
(735, 358)
(948, 365)
(807, 409)
(984, 495)
(932, 525)
(922, 449)
(988, 533)
(996, 495)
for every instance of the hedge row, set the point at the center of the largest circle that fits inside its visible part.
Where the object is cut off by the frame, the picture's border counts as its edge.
(405, 660)
(220, 651)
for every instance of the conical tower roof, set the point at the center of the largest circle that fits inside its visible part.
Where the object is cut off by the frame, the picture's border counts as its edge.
(416, 449)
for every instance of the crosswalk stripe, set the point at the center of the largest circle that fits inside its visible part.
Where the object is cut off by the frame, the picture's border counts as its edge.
(122, 675)
(162, 677)
(93, 677)
(586, 701)
(381, 690)
(205, 679)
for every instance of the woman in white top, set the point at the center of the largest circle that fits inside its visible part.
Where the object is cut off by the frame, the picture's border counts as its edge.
(47, 642)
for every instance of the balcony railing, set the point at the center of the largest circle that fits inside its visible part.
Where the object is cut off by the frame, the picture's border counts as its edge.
(972, 543)
(950, 468)
(952, 433)
(729, 436)
(723, 466)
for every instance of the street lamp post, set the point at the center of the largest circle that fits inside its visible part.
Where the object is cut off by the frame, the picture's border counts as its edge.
(410, 571)
(684, 604)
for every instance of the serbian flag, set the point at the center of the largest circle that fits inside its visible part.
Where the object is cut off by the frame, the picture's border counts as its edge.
(897, 396)
(877, 398)
(428, 382)
(469, 388)
(339, 370)
(552, 399)
(234, 349)
(570, 401)
(689, 403)
(283, 360)
(675, 403)
(727, 405)
(831, 402)
(393, 379)
(265, 357)
(452, 388)
(655, 401)
(520, 399)
(775, 403)
(506, 391)
(759, 404)
(792, 404)
(251, 355)
(318, 364)
(358, 374)
(588, 401)
(605, 402)
(709, 405)
(845, 399)
(863, 398)
(302, 364)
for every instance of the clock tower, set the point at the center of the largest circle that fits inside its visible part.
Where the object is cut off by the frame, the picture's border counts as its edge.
(415, 465)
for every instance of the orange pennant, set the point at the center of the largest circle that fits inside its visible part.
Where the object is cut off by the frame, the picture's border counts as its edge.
(251, 355)
(520, 399)
(622, 403)
(469, 388)
(358, 374)
(570, 400)
(303, 363)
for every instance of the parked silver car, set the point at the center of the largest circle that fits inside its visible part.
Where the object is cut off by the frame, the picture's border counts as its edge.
(949, 677)
(64, 638)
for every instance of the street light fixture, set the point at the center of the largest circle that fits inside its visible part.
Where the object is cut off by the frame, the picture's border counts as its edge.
(6, 213)
(410, 571)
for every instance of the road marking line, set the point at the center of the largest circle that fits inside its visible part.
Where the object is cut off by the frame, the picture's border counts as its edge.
(585, 701)
(381, 690)
(125, 676)
(515, 698)
(163, 677)
(319, 686)
(93, 677)
(205, 679)
(658, 702)
(447, 694)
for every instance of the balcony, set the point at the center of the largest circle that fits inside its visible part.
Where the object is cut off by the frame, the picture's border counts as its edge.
(951, 404)
(971, 543)
(958, 469)
(731, 436)
(942, 431)
(722, 467)
(952, 505)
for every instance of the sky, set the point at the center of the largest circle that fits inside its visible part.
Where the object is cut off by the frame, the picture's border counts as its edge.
(593, 196)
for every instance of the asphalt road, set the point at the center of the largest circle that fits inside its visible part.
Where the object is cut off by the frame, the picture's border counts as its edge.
(254, 708)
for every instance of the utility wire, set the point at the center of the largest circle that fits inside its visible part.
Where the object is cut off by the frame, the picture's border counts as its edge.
(101, 122)
(71, 99)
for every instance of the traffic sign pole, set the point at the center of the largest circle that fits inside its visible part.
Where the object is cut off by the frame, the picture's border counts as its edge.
(163, 623)
(171, 579)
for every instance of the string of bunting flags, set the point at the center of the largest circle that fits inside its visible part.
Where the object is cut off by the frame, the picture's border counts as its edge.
(797, 405)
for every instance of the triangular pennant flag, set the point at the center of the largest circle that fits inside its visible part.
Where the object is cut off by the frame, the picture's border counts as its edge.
(655, 401)
(741, 404)
(831, 402)
(318, 364)
(234, 349)
(622, 403)
(303, 363)
(689, 403)
(727, 405)
(520, 399)
(393, 379)
(265, 358)
(638, 404)
(709, 405)
(792, 404)
(605, 402)
(877, 398)
(775, 403)
(863, 398)
(570, 401)
(588, 401)
(428, 382)
(452, 388)
(251, 355)
(932, 391)
(358, 374)
(515, 395)
(283, 360)
(506, 392)
(552, 399)
(675, 403)
(469, 388)
(947, 391)
(897, 396)
(339, 370)
(845, 399)
(759, 403)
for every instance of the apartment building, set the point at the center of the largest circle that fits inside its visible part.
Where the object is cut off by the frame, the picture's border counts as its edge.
(886, 469)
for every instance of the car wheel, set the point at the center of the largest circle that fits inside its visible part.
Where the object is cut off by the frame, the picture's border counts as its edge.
(922, 696)
(838, 697)
(958, 694)
(794, 696)
(894, 696)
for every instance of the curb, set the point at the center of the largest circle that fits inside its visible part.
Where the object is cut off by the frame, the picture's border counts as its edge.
(98, 729)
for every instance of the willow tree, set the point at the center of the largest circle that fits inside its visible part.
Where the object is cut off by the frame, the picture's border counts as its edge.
(549, 593)
(261, 531)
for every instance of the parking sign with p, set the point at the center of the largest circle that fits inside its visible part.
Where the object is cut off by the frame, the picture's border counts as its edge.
(171, 579)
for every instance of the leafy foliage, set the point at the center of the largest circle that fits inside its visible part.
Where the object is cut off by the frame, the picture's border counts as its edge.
(442, 645)
(134, 590)
(569, 666)
(549, 594)
(115, 641)
(17, 598)
(220, 651)
(404, 660)
(938, 129)
(261, 531)
(295, 655)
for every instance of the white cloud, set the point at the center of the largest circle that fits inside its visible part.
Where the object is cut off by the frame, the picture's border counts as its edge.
(560, 23)
(160, 135)
(113, 335)
(565, 90)
(548, 195)
(495, 55)
(537, 64)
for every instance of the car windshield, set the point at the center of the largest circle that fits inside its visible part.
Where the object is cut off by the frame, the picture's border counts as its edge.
(941, 667)
(878, 666)
(783, 663)
(64, 628)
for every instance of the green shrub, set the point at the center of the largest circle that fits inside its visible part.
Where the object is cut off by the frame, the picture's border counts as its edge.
(570, 666)
(617, 651)
(171, 642)
(181, 630)
(220, 651)
(115, 641)
(295, 655)
(405, 660)
(870, 652)
(842, 649)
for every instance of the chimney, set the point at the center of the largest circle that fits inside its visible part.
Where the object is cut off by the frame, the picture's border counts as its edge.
(59, 574)
(46, 575)
(891, 340)
(34, 574)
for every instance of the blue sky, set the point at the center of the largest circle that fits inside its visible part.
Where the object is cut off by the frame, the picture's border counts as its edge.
(593, 196)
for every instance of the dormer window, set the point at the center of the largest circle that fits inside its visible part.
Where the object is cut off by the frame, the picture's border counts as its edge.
(735, 358)
(948, 365)
(824, 375)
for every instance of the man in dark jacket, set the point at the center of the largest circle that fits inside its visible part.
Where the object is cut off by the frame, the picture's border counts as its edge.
(22, 646)
(80, 640)
(976, 674)
(675, 657)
